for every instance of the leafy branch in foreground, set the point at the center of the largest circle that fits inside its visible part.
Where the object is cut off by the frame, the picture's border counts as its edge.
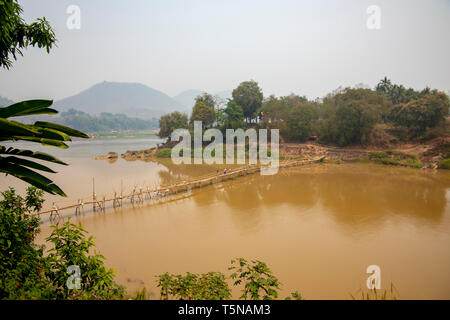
(207, 286)
(73, 246)
(16, 34)
(46, 133)
(259, 282)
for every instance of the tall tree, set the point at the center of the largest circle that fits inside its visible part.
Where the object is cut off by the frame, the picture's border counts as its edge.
(249, 96)
(170, 122)
(425, 112)
(204, 113)
(207, 99)
(351, 115)
(231, 117)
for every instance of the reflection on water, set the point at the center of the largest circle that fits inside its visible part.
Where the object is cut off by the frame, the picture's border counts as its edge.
(318, 227)
(354, 195)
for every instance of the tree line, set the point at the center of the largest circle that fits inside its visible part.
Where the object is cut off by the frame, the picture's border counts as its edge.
(105, 122)
(346, 116)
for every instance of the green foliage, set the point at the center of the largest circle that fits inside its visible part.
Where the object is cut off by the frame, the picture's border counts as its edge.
(22, 264)
(417, 115)
(231, 117)
(207, 99)
(363, 160)
(398, 94)
(399, 159)
(300, 122)
(257, 278)
(27, 272)
(16, 35)
(294, 296)
(249, 96)
(347, 116)
(71, 246)
(170, 122)
(351, 115)
(293, 115)
(204, 113)
(140, 295)
(164, 153)
(444, 164)
(46, 133)
(207, 286)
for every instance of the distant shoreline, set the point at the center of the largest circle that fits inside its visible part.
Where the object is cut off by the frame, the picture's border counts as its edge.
(124, 134)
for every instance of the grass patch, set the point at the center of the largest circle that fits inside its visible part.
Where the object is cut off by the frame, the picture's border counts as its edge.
(335, 161)
(444, 164)
(363, 160)
(396, 159)
(414, 163)
(163, 153)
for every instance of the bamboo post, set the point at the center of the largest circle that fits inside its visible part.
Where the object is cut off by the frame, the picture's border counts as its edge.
(54, 213)
(94, 197)
(79, 207)
(121, 192)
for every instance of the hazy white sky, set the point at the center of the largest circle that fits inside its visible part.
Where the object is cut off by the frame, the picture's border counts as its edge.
(305, 47)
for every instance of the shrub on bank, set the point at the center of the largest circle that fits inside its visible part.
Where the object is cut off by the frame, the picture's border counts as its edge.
(164, 153)
(398, 159)
(28, 272)
(444, 164)
(22, 263)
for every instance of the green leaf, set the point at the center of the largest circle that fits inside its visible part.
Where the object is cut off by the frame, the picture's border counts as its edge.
(53, 134)
(11, 127)
(31, 154)
(31, 177)
(26, 163)
(42, 111)
(71, 132)
(28, 107)
(44, 141)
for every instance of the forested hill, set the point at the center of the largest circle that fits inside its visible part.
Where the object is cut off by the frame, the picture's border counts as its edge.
(104, 122)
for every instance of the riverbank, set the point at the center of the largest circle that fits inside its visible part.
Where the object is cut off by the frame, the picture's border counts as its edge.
(432, 154)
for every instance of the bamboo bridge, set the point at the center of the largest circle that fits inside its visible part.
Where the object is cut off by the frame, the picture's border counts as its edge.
(158, 194)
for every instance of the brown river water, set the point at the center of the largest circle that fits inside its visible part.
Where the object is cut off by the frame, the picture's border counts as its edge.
(318, 227)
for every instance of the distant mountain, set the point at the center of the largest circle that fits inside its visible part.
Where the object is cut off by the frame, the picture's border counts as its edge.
(5, 102)
(132, 99)
(187, 98)
(225, 95)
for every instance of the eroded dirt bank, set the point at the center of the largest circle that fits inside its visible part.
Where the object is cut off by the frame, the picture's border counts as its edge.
(421, 155)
